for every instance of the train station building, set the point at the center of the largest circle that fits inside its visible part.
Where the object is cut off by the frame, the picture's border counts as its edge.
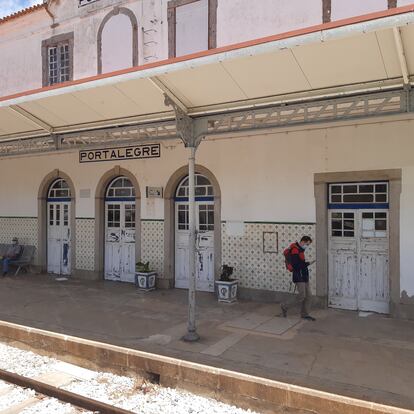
(299, 113)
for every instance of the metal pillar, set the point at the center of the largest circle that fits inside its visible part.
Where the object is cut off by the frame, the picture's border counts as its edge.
(191, 133)
(191, 334)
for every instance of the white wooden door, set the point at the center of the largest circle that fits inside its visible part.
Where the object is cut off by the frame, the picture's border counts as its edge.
(205, 246)
(374, 287)
(343, 260)
(120, 241)
(58, 238)
(358, 260)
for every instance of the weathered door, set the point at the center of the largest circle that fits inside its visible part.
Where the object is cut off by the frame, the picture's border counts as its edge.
(204, 239)
(58, 238)
(359, 247)
(374, 289)
(343, 260)
(120, 241)
(205, 247)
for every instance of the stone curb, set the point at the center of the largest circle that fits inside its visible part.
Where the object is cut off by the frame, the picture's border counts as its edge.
(242, 390)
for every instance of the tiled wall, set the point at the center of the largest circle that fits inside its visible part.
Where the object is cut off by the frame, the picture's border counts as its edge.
(152, 248)
(257, 269)
(254, 267)
(85, 243)
(24, 228)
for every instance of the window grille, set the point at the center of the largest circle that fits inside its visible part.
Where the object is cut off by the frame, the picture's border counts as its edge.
(203, 188)
(121, 188)
(59, 63)
(358, 193)
(59, 189)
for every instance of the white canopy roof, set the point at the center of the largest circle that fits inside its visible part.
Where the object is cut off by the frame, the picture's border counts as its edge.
(367, 53)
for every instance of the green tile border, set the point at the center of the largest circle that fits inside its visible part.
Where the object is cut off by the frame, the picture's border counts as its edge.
(277, 222)
(16, 217)
(162, 220)
(157, 220)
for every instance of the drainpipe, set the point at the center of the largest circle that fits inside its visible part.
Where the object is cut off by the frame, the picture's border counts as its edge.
(47, 4)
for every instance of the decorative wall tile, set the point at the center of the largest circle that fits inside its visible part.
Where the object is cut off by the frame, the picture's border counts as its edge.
(258, 270)
(254, 268)
(85, 244)
(24, 228)
(152, 247)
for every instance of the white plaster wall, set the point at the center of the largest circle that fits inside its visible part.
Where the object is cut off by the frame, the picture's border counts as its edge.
(259, 180)
(342, 9)
(240, 20)
(20, 54)
(401, 3)
(21, 39)
(407, 232)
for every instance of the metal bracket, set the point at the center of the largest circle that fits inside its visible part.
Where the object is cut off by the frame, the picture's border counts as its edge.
(189, 130)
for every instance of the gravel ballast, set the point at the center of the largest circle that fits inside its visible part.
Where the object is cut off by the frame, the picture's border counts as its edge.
(133, 394)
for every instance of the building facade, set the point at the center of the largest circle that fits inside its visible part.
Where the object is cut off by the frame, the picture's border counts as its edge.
(93, 212)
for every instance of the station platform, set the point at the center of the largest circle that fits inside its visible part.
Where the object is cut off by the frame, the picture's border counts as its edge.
(365, 356)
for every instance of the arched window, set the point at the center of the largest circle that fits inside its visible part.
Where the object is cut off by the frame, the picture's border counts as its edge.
(203, 189)
(120, 188)
(59, 190)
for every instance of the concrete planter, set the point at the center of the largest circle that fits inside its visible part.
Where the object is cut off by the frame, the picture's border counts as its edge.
(227, 291)
(145, 280)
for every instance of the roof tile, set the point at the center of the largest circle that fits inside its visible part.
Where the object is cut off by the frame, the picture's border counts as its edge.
(22, 12)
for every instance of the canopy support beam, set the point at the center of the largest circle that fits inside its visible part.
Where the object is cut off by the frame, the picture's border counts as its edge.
(401, 55)
(158, 83)
(28, 116)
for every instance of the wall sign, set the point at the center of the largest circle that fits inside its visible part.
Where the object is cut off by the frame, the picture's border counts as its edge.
(154, 192)
(85, 2)
(121, 153)
(270, 242)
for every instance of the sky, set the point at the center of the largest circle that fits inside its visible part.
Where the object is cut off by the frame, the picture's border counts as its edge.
(10, 6)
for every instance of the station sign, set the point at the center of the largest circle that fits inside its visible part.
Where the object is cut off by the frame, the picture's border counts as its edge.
(85, 2)
(121, 153)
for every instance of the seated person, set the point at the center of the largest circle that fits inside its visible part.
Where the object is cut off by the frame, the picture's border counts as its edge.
(13, 253)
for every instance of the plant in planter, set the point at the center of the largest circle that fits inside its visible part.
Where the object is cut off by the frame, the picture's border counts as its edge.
(226, 287)
(144, 277)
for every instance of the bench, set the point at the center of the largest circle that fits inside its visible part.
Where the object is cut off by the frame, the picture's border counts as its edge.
(24, 261)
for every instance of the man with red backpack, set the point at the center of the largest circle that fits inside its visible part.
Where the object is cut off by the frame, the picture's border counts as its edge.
(296, 263)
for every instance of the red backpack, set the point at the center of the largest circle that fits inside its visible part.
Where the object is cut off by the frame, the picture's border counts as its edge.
(288, 258)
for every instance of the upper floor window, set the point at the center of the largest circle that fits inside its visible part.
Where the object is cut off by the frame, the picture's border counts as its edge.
(192, 26)
(57, 56)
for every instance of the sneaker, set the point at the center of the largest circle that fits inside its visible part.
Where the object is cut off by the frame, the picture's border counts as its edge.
(309, 318)
(284, 311)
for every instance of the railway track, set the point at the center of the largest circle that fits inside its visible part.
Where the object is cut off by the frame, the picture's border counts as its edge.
(44, 390)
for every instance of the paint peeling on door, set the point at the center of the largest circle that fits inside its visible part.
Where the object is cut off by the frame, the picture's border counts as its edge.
(358, 260)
